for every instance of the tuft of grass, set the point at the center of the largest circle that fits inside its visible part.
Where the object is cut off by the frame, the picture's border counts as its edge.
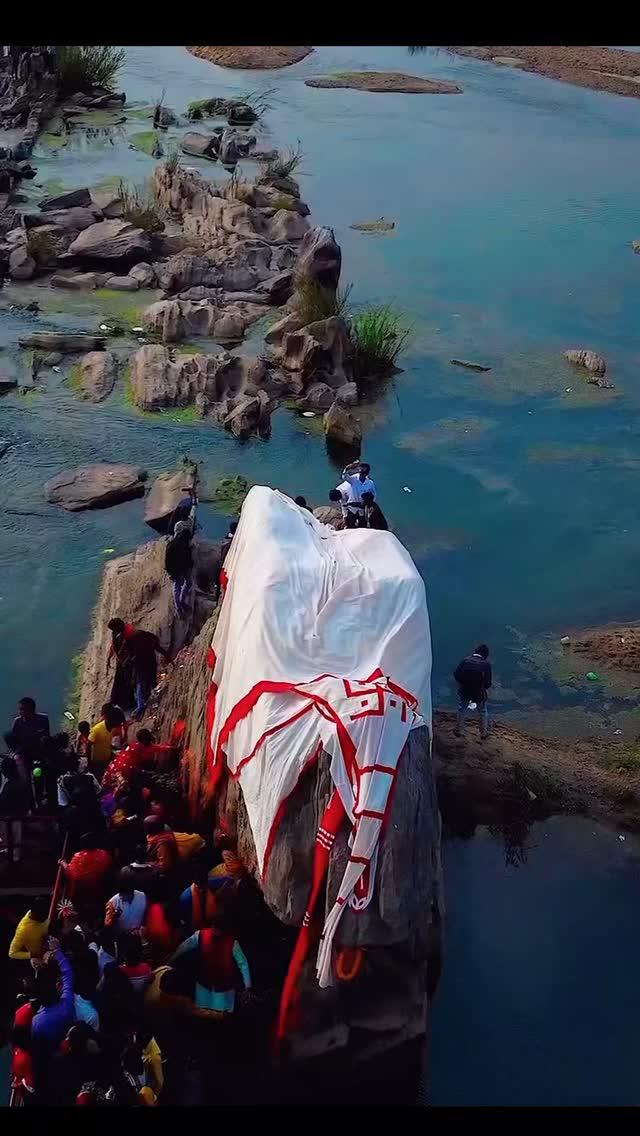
(210, 108)
(378, 335)
(238, 189)
(313, 302)
(140, 207)
(183, 415)
(284, 165)
(41, 246)
(74, 378)
(172, 160)
(81, 68)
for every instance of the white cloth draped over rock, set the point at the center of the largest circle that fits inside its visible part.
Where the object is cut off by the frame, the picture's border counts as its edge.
(323, 642)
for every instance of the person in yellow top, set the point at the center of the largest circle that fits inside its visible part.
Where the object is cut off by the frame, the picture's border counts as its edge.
(101, 737)
(31, 932)
(152, 1061)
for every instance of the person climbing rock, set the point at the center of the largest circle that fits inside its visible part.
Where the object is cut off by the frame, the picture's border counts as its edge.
(178, 563)
(143, 648)
(473, 676)
(185, 510)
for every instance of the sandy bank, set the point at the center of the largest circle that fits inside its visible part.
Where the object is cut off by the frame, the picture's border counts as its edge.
(616, 646)
(253, 58)
(385, 82)
(600, 68)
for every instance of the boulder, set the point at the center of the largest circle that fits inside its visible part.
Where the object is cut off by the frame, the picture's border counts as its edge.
(53, 359)
(330, 515)
(289, 323)
(79, 280)
(320, 258)
(251, 415)
(347, 394)
(108, 201)
(67, 344)
(72, 220)
(145, 274)
(318, 396)
(95, 486)
(97, 375)
(201, 145)
(341, 427)
(22, 266)
(283, 256)
(286, 226)
(7, 383)
(122, 284)
(319, 350)
(278, 289)
(115, 241)
(282, 184)
(174, 320)
(166, 492)
(188, 270)
(590, 360)
(73, 198)
(158, 379)
(239, 278)
(165, 116)
(268, 197)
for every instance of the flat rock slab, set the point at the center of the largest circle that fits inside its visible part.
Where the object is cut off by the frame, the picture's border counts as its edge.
(252, 58)
(386, 82)
(113, 240)
(95, 486)
(75, 198)
(61, 341)
(96, 375)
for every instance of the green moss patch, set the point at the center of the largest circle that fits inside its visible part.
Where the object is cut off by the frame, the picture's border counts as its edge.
(229, 494)
(144, 140)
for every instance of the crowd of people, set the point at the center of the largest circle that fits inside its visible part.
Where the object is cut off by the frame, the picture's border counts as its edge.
(143, 944)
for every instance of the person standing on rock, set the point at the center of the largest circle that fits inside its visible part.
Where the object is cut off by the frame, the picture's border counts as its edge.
(122, 691)
(178, 563)
(373, 517)
(143, 648)
(356, 475)
(473, 676)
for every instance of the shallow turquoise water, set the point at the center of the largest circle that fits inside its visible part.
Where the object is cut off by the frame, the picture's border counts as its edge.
(515, 204)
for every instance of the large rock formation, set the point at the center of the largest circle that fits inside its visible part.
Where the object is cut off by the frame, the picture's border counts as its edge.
(590, 360)
(385, 1004)
(95, 486)
(136, 588)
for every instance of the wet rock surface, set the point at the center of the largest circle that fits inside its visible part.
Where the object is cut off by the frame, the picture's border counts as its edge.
(96, 375)
(95, 486)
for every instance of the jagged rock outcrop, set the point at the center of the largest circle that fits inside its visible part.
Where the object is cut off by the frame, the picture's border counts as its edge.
(165, 494)
(330, 515)
(320, 258)
(318, 351)
(226, 388)
(341, 427)
(71, 199)
(590, 360)
(96, 375)
(75, 219)
(95, 486)
(174, 320)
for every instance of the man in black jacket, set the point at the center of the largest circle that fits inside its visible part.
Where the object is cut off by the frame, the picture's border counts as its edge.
(473, 676)
(178, 563)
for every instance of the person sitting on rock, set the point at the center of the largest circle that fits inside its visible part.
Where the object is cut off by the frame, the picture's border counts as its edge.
(178, 563)
(473, 676)
(373, 517)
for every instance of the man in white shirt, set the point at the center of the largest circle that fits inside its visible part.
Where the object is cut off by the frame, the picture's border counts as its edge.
(356, 482)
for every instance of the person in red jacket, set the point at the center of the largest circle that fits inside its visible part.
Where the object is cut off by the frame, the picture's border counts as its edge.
(87, 873)
(138, 755)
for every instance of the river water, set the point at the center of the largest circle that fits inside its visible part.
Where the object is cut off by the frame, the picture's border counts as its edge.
(515, 204)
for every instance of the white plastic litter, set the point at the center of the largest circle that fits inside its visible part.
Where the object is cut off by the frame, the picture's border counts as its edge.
(617, 733)
(137, 329)
(472, 706)
(69, 716)
(105, 327)
(621, 837)
(308, 414)
(56, 369)
(323, 640)
(565, 639)
(405, 489)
